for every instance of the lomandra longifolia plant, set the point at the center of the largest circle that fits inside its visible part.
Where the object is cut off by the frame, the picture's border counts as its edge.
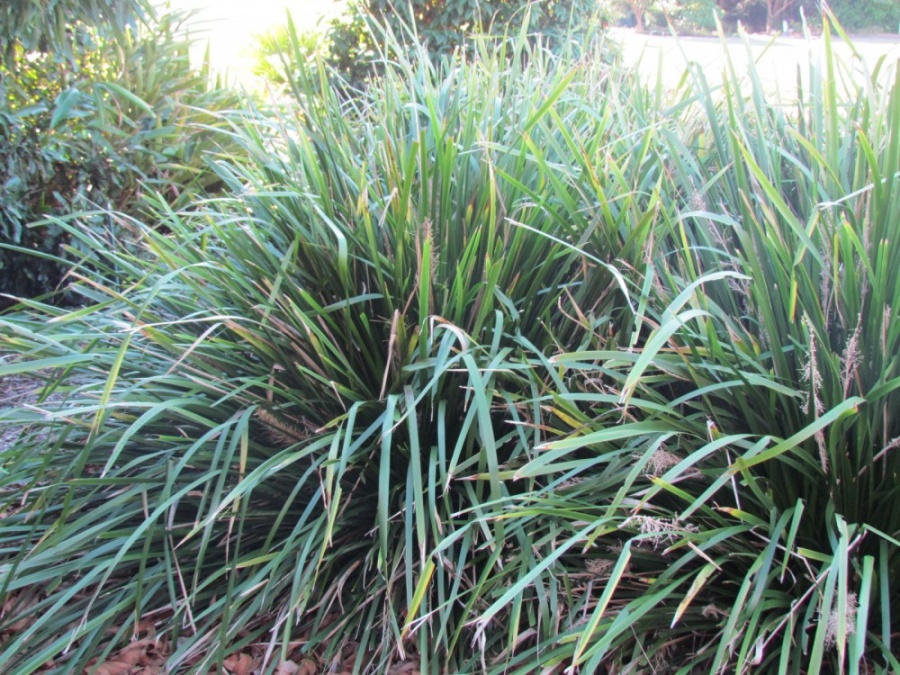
(293, 413)
(508, 364)
(753, 525)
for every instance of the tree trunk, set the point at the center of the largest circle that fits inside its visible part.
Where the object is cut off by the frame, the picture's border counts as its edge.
(638, 10)
(775, 12)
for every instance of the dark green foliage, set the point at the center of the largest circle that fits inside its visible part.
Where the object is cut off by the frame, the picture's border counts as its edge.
(96, 132)
(685, 16)
(373, 308)
(443, 26)
(48, 25)
(878, 15)
(752, 15)
(853, 15)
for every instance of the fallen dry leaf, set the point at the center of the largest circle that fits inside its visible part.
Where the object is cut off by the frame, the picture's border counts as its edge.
(405, 668)
(145, 629)
(114, 668)
(287, 668)
(306, 666)
(136, 653)
(141, 657)
(239, 664)
(19, 603)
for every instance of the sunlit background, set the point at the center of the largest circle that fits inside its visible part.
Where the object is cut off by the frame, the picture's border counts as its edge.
(230, 26)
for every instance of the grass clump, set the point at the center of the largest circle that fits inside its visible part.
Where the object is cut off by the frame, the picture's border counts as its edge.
(505, 365)
(760, 509)
(332, 358)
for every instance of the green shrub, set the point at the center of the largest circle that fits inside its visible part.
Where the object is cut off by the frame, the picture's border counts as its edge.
(357, 39)
(881, 15)
(125, 118)
(50, 26)
(684, 16)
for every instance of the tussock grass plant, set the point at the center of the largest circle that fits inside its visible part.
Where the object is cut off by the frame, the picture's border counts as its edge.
(325, 375)
(508, 365)
(763, 504)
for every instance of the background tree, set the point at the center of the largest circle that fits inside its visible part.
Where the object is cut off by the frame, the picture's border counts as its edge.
(879, 15)
(637, 8)
(757, 15)
(685, 16)
(778, 11)
(750, 14)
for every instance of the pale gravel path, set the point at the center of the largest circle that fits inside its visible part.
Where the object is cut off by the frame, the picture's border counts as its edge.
(15, 391)
(777, 58)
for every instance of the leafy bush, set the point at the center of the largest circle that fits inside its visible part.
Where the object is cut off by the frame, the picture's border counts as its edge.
(285, 45)
(48, 26)
(882, 15)
(357, 39)
(514, 364)
(123, 119)
(760, 496)
(685, 16)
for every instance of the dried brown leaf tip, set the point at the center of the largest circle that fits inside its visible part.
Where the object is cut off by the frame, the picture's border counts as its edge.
(569, 483)
(712, 611)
